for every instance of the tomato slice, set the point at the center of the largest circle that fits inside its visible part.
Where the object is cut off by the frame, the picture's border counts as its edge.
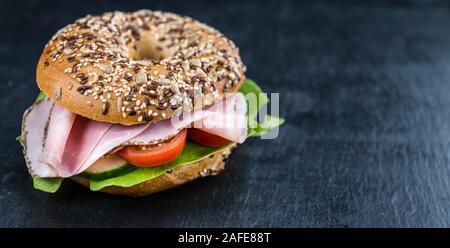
(154, 155)
(206, 138)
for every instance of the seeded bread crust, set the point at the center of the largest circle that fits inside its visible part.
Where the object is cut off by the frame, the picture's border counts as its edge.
(207, 167)
(139, 67)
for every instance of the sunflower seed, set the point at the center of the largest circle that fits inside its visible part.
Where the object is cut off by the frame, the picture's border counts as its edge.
(58, 93)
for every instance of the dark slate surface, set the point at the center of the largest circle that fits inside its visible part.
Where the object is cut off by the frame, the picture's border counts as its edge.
(365, 89)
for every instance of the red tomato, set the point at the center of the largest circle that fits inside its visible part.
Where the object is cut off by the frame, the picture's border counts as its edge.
(206, 138)
(154, 155)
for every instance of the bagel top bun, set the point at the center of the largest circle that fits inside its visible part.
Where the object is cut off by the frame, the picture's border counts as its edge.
(140, 67)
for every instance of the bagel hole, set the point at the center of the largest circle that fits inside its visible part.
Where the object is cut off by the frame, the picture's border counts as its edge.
(148, 48)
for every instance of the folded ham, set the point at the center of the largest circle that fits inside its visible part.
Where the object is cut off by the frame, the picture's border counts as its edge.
(35, 122)
(60, 122)
(226, 119)
(58, 143)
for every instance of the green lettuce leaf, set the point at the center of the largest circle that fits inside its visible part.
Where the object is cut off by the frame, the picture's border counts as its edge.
(257, 129)
(40, 97)
(269, 123)
(192, 152)
(50, 185)
(251, 90)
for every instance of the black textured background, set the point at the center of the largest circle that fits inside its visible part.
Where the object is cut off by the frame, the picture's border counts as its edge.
(365, 89)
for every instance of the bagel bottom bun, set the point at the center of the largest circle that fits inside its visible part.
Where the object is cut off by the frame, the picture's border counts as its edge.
(210, 166)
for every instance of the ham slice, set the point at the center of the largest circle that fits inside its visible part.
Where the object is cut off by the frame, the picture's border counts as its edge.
(227, 119)
(115, 136)
(84, 137)
(34, 126)
(61, 120)
(165, 129)
(74, 143)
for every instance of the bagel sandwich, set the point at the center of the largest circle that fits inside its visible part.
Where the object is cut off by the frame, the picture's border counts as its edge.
(136, 103)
